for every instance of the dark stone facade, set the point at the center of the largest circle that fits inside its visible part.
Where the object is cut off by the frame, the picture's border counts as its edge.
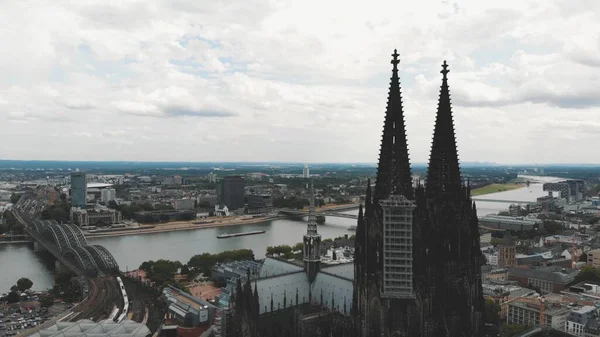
(448, 296)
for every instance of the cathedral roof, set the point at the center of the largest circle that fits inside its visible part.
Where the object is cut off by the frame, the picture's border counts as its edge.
(344, 270)
(333, 292)
(273, 267)
(277, 288)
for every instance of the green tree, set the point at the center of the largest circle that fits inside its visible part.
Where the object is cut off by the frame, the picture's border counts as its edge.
(47, 301)
(14, 288)
(24, 284)
(492, 312)
(112, 204)
(14, 198)
(552, 227)
(203, 263)
(587, 273)
(161, 271)
(185, 269)
(510, 330)
(4, 227)
(13, 297)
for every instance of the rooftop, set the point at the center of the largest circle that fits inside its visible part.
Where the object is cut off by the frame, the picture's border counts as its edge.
(553, 274)
(103, 328)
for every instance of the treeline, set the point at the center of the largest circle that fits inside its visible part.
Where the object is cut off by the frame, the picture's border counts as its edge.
(60, 211)
(162, 271)
(22, 285)
(203, 263)
(10, 224)
(287, 251)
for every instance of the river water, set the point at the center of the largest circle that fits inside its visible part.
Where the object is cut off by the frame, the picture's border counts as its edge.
(19, 260)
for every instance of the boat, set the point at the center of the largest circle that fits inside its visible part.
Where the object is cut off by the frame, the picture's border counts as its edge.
(233, 235)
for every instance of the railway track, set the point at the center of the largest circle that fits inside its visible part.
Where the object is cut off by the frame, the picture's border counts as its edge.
(101, 302)
(145, 306)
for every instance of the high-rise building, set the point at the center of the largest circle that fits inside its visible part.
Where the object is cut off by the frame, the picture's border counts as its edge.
(230, 192)
(107, 195)
(78, 189)
(306, 171)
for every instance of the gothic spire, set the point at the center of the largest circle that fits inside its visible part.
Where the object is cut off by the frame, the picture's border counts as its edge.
(312, 217)
(393, 171)
(368, 198)
(443, 175)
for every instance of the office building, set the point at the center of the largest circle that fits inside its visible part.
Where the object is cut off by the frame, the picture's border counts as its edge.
(593, 258)
(578, 318)
(95, 217)
(180, 204)
(78, 189)
(230, 192)
(107, 195)
(259, 203)
(528, 313)
(569, 190)
(551, 279)
(306, 172)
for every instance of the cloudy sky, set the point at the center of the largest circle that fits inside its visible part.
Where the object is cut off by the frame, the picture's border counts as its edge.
(302, 81)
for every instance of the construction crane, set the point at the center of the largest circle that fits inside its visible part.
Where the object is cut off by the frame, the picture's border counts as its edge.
(539, 303)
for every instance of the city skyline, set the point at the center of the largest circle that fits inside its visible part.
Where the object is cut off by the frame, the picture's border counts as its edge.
(301, 82)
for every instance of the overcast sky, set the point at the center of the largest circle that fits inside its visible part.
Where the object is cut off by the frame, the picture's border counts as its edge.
(302, 81)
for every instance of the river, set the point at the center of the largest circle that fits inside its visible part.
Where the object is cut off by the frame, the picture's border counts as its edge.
(19, 260)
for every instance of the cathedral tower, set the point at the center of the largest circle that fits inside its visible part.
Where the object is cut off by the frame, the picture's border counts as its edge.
(312, 241)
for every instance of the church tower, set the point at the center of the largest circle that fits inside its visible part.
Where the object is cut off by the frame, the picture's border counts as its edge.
(312, 241)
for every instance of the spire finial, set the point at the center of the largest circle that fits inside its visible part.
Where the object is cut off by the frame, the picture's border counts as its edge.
(445, 71)
(395, 60)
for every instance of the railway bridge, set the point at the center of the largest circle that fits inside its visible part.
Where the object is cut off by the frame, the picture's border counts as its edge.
(69, 246)
(294, 213)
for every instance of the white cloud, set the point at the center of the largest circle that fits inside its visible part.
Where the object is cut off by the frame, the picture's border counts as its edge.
(297, 80)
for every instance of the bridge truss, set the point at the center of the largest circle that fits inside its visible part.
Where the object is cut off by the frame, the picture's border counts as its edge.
(70, 242)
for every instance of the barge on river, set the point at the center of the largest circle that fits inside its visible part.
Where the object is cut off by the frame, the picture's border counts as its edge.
(233, 235)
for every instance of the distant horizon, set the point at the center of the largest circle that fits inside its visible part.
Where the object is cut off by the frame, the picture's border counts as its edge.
(374, 164)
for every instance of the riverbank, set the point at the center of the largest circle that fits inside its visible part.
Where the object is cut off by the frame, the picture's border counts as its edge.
(495, 188)
(202, 224)
(184, 226)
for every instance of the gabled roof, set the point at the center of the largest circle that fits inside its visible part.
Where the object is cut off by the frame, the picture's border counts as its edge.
(344, 270)
(274, 267)
(277, 288)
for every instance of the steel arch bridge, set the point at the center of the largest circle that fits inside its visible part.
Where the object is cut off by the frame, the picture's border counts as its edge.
(93, 259)
(70, 242)
(64, 236)
(38, 226)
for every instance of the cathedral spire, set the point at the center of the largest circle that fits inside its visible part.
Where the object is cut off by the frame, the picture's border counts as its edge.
(393, 171)
(312, 241)
(312, 217)
(443, 175)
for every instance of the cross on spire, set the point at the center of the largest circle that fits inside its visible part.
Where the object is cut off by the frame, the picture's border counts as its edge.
(395, 60)
(445, 71)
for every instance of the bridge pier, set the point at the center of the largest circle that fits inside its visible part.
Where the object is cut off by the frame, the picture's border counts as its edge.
(59, 267)
(37, 247)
